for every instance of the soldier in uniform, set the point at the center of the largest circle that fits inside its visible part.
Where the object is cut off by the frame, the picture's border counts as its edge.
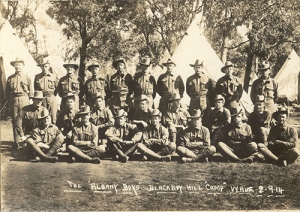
(95, 85)
(200, 89)
(70, 83)
(142, 115)
(101, 117)
(47, 82)
(266, 86)
(123, 137)
(229, 86)
(194, 142)
(45, 139)
(260, 120)
(234, 140)
(155, 141)
(219, 116)
(84, 145)
(176, 118)
(144, 82)
(281, 146)
(168, 84)
(27, 120)
(121, 85)
(67, 118)
(18, 90)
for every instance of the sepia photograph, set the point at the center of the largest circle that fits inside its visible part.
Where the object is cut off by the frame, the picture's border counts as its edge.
(150, 105)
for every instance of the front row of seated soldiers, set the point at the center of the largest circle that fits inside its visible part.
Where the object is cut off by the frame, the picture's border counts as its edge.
(86, 133)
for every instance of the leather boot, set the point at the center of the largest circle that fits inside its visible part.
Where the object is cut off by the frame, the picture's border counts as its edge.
(78, 153)
(144, 150)
(37, 150)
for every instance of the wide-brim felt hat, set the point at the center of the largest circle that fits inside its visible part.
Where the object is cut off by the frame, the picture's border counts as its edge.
(43, 62)
(37, 95)
(155, 112)
(44, 113)
(219, 97)
(145, 62)
(85, 109)
(264, 66)
(235, 108)
(69, 95)
(227, 64)
(114, 64)
(94, 64)
(71, 63)
(18, 59)
(197, 63)
(196, 114)
(120, 113)
(169, 61)
(142, 97)
(98, 95)
(259, 98)
(120, 91)
(281, 110)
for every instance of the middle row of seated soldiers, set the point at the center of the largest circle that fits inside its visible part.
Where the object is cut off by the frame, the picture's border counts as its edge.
(91, 134)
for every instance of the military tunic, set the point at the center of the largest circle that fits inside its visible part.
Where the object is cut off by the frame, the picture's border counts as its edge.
(140, 115)
(230, 88)
(66, 120)
(168, 84)
(144, 83)
(260, 125)
(195, 138)
(47, 83)
(26, 121)
(219, 118)
(96, 85)
(102, 118)
(269, 89)
(70, 83)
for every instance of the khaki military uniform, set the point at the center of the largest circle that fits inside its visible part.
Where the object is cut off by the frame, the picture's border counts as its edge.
(66, 119)
(47, 83)
(70, 83)
(168, 84)
(260, 125)
(144, 83)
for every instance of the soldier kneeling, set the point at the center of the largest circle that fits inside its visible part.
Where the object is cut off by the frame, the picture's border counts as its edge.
(156, 143)
(46, 139)
(195, 141)
(84, 140)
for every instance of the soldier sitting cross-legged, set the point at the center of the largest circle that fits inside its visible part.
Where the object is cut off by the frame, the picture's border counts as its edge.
(156, 143)
(45, 139)
(195, 141)
(84, 144)
(123, 137)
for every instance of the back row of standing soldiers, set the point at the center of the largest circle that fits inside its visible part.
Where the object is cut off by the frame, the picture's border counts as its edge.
(114, 99)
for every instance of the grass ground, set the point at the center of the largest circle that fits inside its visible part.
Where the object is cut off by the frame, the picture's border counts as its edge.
(28, 186)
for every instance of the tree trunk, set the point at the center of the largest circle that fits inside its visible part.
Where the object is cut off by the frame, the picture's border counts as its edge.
(82, 60)
(224, 49)
(248, 67)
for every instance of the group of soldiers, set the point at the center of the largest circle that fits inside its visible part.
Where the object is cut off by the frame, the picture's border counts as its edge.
(116, 117)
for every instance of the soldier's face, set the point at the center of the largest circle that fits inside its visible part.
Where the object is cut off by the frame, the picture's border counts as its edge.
(198, 69)
(121, 120)
(70, 103)
(229, 71)
(144, 68)
(155, 120)
(18, 66)
(45, 122)
(85, 118)
(120, 66)
(281, 118)
(176, 102)
(45, 68)
(37, 102)
(99, 102)
(238, 119)
(219, 104)
(265, 73)
(197, 122)
(143, 105)
(259, 106)
(95, 70)
(170, 67)
(70, 69)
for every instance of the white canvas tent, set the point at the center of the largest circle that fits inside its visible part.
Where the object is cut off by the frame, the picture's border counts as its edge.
(288, 77)
(195, 46)
(11, 47)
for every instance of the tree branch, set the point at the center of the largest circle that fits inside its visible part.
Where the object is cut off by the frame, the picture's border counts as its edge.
(234, 47)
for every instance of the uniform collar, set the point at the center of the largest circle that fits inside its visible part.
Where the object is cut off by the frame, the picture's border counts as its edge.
(71, 75)
(284, 126)
(155, 127)
(221, 109)
(18, 73)
(170, 73)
